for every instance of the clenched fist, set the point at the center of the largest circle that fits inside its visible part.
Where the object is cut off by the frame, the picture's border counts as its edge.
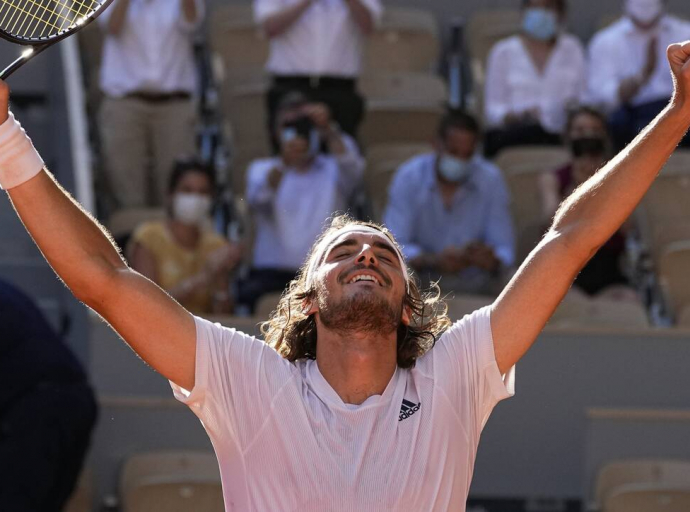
(679, 60)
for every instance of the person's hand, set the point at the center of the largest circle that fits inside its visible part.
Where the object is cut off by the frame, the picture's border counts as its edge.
(223, 260)
(679, 60)
(320, 115)
(452, 260)
(275, 176)
(295, 152)
(4, 101)
(481, 255)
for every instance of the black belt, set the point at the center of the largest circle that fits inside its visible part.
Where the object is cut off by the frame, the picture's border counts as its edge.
(315, 82)
(159, 97)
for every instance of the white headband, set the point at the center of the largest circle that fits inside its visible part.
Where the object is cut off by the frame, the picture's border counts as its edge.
(326, 243)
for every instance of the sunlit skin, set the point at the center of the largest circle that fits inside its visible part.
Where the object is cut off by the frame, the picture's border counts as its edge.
(358, 364)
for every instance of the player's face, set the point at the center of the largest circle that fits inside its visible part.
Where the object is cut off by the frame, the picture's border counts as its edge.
(362, 274)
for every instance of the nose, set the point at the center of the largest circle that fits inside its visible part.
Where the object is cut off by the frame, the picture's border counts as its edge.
(367, 255)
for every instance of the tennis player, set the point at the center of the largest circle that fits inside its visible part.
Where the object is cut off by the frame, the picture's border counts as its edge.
(352, 407)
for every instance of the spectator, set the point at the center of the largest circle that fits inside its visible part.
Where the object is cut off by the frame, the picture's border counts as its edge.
(293, 194)
(531, 79)
(450, 212)
(47, 409)
(589, 144)
(148, 76)
(628, 76)
(180, 254)
(316, 48)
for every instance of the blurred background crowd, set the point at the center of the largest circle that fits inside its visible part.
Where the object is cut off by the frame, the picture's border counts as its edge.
(225, 135)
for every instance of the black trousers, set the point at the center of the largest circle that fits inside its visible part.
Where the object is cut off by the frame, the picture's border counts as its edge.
(340, 94)
(44, 436)
(626, 122)
(261, 281)
(519, 135)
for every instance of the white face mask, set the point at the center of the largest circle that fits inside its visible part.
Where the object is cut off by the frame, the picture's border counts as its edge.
(454, 169)
(191, 209)
(644, 11)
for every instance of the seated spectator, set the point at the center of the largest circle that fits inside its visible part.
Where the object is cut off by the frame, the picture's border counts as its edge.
(316, 49)
(628, 76)
(450, 212)
(181, 254)
(532, 78)
(589, 145)
(148, 77)
(47, 409)
(291, 195)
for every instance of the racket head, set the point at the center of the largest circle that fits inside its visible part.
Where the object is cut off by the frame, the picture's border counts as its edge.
(40, 22)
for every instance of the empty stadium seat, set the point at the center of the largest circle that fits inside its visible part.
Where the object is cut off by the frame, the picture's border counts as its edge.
(266, 305)
(581, 311)
(171, 482)
(526, 207)
(639, 471)
(406, 40)
(674, 277)
(123, 222)
(238, 41)
(412, 87)
(649, 498)
(383, 160)
(81, 498)
(388, 122)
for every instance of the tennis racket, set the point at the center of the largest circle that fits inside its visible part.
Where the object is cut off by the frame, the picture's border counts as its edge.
(38, 24)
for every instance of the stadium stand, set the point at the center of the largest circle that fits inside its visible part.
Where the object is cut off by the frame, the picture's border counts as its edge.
(171, 482)
(649, 498)
(674, 278)
(462, 305)
(266, 305)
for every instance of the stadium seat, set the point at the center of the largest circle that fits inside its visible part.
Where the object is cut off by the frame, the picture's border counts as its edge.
(639, 471)
(532, 158)
(674, 277)
(388, 122)
(81, 498)
(412, 87)
(238, 41)
(462, 305)
(649, 498)
(406, 40)
(171, 482)
(266, 305)
(581, 311)
(383, 160)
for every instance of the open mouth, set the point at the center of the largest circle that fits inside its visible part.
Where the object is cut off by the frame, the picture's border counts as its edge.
(366, 278)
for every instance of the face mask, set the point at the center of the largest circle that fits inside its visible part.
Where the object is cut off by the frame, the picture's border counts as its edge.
(454, 169)
(644, 11)
(191, 209)
(541, 24)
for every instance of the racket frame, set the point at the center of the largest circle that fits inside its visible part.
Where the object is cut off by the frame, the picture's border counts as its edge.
(34, 46)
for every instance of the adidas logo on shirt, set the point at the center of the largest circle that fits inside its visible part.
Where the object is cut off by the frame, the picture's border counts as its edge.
(407, 409)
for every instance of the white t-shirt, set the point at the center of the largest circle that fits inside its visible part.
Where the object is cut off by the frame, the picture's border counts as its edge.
(325, 40)
(153, 53)
(514, 84)
(285, 441)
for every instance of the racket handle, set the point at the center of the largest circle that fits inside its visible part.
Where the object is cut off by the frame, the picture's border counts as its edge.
(28, 54)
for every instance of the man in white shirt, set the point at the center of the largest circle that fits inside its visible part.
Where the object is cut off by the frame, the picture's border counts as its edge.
(291, 195)
(316, 48)
(148, 76)
(627, 75)
(352, 406)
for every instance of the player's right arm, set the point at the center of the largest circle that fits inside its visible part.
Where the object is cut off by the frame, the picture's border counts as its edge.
(161, 331)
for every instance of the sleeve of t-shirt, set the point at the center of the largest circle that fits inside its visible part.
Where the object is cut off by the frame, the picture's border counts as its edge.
(236, 378)
(465, 366)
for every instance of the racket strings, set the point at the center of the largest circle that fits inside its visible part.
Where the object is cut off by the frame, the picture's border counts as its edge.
(43, 18)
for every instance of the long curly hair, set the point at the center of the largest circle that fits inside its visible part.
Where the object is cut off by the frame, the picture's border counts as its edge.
(293, 334)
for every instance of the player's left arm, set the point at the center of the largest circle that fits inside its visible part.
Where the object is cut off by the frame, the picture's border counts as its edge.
(586, 220)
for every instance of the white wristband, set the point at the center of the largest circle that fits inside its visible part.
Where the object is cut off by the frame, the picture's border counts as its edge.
(19, 160)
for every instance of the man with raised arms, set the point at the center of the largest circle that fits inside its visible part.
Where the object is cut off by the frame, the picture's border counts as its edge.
(350, 406)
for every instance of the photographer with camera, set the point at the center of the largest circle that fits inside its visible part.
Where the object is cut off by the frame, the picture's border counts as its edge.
(292, 194)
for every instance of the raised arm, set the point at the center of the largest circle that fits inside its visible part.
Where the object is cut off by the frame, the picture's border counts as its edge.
(82, 254)
(585, 221)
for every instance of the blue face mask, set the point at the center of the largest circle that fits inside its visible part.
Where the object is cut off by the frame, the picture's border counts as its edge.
(539, 23)
(454, 169)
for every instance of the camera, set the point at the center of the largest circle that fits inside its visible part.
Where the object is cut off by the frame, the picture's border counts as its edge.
(300, 127)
